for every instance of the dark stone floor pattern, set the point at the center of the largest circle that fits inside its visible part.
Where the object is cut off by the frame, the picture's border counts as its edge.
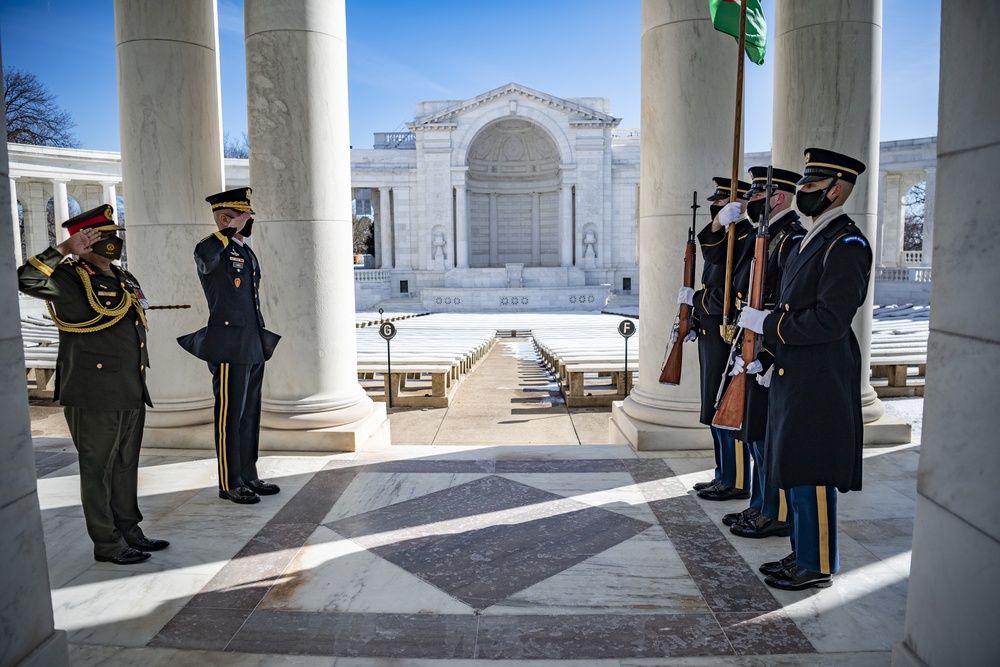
(744, 618)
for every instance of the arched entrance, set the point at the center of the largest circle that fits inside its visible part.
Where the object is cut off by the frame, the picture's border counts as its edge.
(513, 183)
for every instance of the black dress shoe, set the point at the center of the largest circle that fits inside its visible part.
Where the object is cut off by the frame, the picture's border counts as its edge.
(704, 485)
(795, 578)
(146, 544)
(761, 526)
(777, 565)
(262, 487)
(721, 492)
(739, 517)
(128, 556)
(240, 494)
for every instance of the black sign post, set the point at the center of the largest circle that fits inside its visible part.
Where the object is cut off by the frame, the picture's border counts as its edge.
(627, 329)
(380, 311)
(387, 330)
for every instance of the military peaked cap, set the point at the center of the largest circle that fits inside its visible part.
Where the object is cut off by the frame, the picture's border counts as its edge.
(100, 218)
(238, 200)
(723, 189)
(822, 164)
(781, 179)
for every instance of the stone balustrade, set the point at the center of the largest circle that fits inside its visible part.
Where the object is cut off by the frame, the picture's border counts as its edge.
(913, 257)
(371, 275)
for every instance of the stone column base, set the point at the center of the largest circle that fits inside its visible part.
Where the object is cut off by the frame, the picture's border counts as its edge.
(53, 652)
(371, 432)
(903, 656)
(646, 436)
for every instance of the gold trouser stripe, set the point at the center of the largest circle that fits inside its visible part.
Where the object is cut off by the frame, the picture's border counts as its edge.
(824, 530)
(782, 506)
(222, 237)
(740, 482)
(41, 266)
(221, 424)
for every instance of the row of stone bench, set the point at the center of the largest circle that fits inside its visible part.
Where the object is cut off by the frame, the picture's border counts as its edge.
(899, 350)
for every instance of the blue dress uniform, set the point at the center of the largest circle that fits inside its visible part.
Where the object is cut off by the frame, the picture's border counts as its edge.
(731, 459)
(767, 514)
(815, 428)
(235, 344)
(100, 380)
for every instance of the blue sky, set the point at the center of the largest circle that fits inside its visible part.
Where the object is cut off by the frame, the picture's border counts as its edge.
(400, 53)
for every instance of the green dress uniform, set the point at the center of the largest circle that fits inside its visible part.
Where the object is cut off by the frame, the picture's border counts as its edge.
(100, 382)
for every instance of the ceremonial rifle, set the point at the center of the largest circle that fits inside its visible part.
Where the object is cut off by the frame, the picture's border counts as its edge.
(671, 371)
(730, 411)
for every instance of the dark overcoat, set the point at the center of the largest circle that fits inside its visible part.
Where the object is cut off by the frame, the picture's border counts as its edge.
(814, 427)
(102, 369)
(230, 277)
(709, 301)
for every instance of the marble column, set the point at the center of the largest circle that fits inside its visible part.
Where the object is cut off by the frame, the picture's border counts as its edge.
(461, 218)
(300, 169)
(566, 222)
(930, 180)
(15, 225)
(890, 253)
(494, 231)
(36, 227)
(167, 57)
(688, 93)
(60, 208)
(832, 101)
(952, 603)
(111, 195)
(27, 630)
(385, 228)
(402, 237)
(536, 230)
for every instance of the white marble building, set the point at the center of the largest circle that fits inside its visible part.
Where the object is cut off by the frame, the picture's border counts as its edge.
(512, 200)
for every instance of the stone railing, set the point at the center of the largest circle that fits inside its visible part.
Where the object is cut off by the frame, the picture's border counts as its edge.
(903, 274)
(913, 256)
(390, 140)
(371, 275)
(628, 133)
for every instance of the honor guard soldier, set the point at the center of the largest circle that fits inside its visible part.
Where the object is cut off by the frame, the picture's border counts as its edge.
(731, 461)
(814, 429)
(235, 344)
(768, 511)
(99, 310)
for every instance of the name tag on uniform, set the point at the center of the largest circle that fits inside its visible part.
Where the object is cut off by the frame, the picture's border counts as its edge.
(99, 293)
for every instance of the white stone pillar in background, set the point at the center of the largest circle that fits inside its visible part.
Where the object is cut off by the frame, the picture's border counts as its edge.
(536, 230)
(27, 628)
(36, 227)
(566, 222)
(892, 221)
(60, 209)
(827, 81)
(687, 138)
(171, 137)
(930, 178)
(952, 610)
(385, 227)
(15, 224)
(494, 231)
(111, 195)
(461, 218)
(296, 53)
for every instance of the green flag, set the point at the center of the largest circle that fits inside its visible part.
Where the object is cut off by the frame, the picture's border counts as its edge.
(726, 18)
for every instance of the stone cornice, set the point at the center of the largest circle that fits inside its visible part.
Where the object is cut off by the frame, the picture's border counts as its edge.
(585, 116)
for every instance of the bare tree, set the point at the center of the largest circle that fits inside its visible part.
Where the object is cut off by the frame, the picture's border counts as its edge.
(32, 114)
(235, 148)
(913, 221)
(363, 231)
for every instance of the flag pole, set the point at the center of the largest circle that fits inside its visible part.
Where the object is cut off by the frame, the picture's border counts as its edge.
(728, 329)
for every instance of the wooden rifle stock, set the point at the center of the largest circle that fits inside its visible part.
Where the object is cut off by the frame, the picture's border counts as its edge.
(731, 409)
(671, 371)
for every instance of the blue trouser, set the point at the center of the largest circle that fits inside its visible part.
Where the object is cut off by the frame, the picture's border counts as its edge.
(764, 497)
(735, 458)
(814, 527)
(717, 446)
(237, 389)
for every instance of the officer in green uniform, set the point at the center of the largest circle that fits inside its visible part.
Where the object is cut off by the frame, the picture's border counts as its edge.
(100, 375)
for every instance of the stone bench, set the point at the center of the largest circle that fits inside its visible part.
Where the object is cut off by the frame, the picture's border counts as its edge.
(576, 394)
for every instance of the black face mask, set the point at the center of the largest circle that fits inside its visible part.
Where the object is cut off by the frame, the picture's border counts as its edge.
(110, 247)
(714, 210)
(815, 202)
(755, 210)
(247, 228)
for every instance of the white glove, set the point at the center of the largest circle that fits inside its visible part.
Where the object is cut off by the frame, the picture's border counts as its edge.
(737, 366)
(691, 335)
(752, 319)
(765, 379)
(730, 213)
(753, 367)
(685, 295)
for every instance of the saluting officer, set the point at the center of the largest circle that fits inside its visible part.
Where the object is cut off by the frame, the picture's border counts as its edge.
(98, 308)
(731, 461)
(235, 344)
(767, 513)
(814, 429)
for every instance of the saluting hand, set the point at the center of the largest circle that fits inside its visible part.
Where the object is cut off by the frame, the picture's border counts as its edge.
(80, 243)
(240, 221)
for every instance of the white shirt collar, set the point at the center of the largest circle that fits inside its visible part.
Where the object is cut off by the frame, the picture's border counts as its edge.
(820, 223)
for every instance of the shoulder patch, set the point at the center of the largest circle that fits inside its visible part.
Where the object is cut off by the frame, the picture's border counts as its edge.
(797, 236)
(856, 239)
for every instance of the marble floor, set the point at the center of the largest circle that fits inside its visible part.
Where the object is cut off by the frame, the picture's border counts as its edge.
(430, 553)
